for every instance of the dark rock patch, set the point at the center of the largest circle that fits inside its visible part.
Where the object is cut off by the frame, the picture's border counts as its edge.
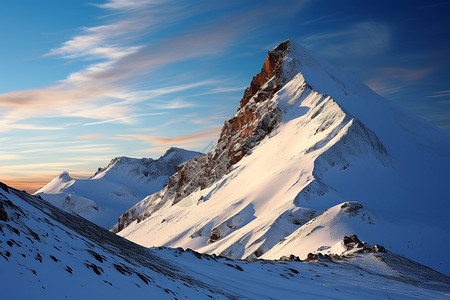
(4, 187)
(38, 258)
(143, 278)
(107, 282)
(291, 257)
(378, 248)
(96, 256)
(122, 269)
(13, 230)
(97, 270)
(351, 207)
(235, 267)
(312, 257)
(3, 214)
(34, 235)
(54, 258)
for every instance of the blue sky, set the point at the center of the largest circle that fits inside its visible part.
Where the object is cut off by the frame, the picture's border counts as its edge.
(85, 81)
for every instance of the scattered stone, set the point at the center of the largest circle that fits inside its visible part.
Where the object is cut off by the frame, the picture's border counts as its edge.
(351, 207)
(54, 258)
(143, 278)
(291, 257)
(378, 248)
(235, 267)
(96, 256)
(13, 229)
(34, 235)
(107, 282)
(97, 270)
(312, 257)
(38, 258)
(122, 270)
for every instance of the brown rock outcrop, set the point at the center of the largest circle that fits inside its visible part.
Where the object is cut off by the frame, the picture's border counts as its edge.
(256, 117)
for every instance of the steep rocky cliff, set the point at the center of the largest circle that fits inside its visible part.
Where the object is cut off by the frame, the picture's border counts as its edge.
(256, 117)
(307, 141)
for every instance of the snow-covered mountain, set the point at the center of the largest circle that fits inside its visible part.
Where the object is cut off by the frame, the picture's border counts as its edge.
(311, 155)
(46, 253)
(115, 188)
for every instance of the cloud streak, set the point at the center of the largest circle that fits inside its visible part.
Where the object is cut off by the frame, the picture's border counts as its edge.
(124, 50)
(361, 39)
(199, 136)
(408, 74)
(440, 94)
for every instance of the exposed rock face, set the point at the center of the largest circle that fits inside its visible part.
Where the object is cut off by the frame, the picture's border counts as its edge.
(306, 141)
(273, 65)
(3, 213)
(256, 117)
(353, 243)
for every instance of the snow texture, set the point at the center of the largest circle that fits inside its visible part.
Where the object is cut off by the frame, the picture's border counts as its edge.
(114, 189)
(46, 253)
(340, 160)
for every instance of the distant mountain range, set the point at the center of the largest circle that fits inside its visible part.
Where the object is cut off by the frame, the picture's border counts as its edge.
(117, 187)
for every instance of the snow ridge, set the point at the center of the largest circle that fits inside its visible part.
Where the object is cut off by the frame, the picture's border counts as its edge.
(330, 141)
(115, 188)
(60, 255)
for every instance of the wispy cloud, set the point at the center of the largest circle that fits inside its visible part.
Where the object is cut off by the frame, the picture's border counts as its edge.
(384, 86)
(440, 94)
(92, 136)
(96, 136)
(408, 74)
(360, 39)
(205, 135)
(10, 156)
(124, 50)
(391, 80)
(103, 90)
(126, 4)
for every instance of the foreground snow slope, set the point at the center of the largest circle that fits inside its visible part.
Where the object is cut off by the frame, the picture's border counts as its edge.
(114, 189)
(46, 253)
(311, 155)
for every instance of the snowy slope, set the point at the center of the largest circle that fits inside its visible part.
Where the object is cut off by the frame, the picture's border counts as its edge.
(115, 188)
(46, 253)
(308, 142)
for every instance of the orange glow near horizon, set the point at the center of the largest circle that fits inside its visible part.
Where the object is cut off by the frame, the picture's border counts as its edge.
(30, 185)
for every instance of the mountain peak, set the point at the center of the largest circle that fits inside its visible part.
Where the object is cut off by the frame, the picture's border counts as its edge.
(306, 137)
(283, 46)
(270, 72)
(64, 176)
(111, 190)
(176, 150)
